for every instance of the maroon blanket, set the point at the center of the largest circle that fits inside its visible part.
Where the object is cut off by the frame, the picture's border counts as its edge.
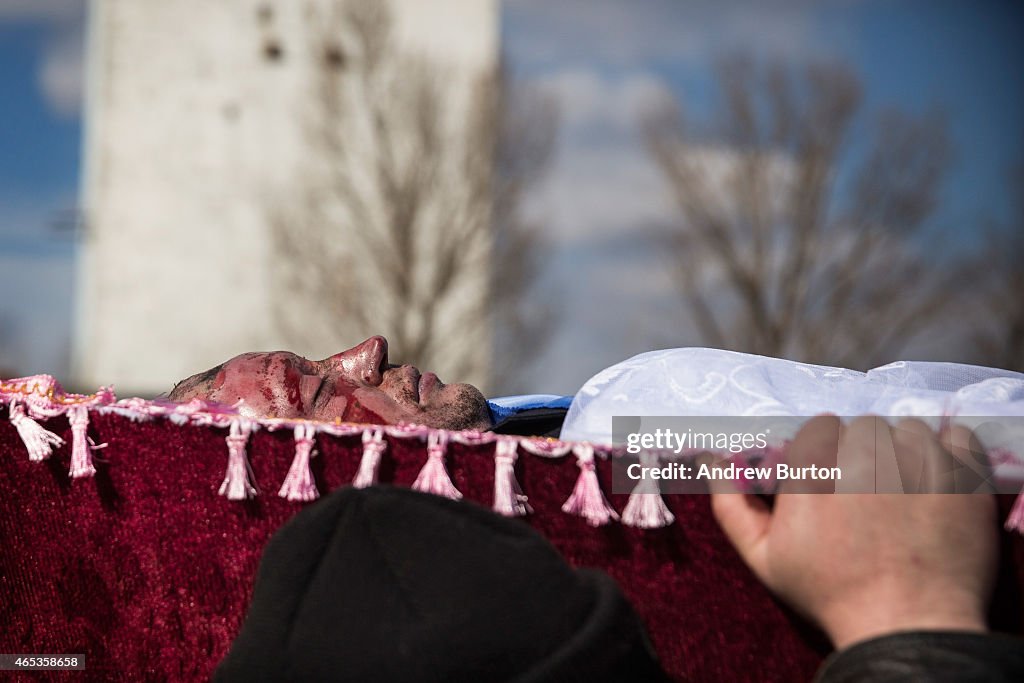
(146, 570)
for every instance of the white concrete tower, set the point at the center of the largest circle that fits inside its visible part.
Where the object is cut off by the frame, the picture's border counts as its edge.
(194, 119)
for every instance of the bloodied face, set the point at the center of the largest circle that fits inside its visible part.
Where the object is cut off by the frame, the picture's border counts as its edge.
(357, 385)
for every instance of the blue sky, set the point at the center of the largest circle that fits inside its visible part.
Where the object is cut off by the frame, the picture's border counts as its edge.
(604, 61)
(40, 85)
(963, 57)
(40, 145)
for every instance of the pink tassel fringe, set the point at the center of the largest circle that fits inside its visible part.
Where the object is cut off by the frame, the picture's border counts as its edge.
(374, 446)
(586, 500)
(646, 508)
(239, 482)
(39, 442)
(81, 453)
(433, 478)
(298, 484)
(508, 497)
(1015, 520)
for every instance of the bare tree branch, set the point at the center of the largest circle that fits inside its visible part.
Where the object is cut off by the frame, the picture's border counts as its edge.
(999, 337)
(410, 221)
(821, 268)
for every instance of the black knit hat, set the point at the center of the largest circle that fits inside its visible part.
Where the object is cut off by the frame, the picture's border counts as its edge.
(386, 584)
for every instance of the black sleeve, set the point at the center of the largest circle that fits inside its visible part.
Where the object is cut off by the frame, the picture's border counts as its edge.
(928, 656)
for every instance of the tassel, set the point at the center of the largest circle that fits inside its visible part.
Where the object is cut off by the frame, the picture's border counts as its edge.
(39, 442)
(1015, 520)
(239, 481)
(374, 446)
(433, 478)
(299, 484)
(545, 448)
(508, 497)
(81, 452)
(586, 500)
(473, 437)
(646, 508)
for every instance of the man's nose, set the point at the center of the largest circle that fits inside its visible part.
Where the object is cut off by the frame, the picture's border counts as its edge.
(365, 361)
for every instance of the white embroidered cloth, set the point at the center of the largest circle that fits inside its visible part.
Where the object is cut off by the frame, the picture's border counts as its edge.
(711, 382)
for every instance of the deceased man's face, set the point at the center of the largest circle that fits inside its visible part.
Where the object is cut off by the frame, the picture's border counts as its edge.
(357, 385)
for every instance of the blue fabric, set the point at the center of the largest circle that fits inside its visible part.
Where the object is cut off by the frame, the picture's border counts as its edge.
(506, 406)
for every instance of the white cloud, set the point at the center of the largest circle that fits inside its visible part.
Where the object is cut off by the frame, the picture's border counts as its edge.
(601, 181)
(613, 32)
(598, 192)
(587, 99)
(598, 201)
(61, 74)
(61, 70)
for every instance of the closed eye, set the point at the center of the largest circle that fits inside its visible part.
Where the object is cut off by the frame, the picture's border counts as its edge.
(316, 394)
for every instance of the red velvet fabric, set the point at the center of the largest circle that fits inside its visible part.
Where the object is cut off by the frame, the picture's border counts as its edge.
(147, 571)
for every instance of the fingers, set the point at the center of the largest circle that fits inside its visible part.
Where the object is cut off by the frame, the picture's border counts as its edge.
(817, 443)
(878, 458)
(952, 461)
(746, 521)
(858, 447)
(924, 466)
(972, 472)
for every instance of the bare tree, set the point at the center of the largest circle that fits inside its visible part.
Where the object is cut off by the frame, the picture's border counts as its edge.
(780, 250)
(411, 224)
(1000, 336)
(521, 126)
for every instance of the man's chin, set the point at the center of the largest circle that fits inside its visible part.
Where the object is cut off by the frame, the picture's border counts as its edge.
(464, 407)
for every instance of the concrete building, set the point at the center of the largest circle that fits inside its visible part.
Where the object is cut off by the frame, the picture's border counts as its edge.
(193, 135)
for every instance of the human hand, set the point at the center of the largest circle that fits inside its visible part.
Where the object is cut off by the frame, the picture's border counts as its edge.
(862, 565)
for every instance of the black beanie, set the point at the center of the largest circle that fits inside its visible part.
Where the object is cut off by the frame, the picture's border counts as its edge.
(387, 584)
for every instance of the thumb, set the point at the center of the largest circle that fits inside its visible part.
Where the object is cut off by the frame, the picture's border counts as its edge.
(745, 519)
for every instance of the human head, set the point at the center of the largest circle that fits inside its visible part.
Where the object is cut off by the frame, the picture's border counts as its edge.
(389, 584)
(356, 385)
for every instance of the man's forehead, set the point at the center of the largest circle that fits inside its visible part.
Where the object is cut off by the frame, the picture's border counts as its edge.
(265, 361)
(268, 356)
